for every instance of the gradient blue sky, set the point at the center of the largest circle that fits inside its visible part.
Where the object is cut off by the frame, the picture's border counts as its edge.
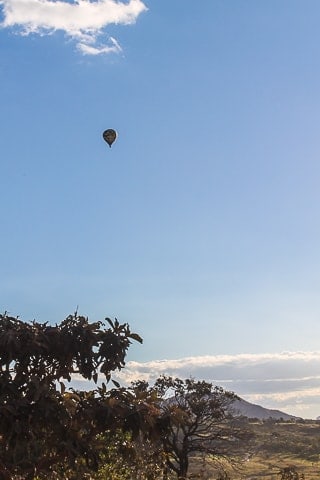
(200, 227)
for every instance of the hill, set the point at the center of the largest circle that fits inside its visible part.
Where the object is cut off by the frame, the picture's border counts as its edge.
(250, 410)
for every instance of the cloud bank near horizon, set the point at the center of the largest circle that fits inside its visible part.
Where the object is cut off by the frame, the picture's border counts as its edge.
(288, 381)
(82, 20)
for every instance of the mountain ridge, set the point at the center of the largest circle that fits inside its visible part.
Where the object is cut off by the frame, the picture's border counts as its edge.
(241, 407)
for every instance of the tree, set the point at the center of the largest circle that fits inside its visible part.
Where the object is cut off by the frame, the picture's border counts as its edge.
(199, 421)
(126, 458)
(47, 430)
(290, 473)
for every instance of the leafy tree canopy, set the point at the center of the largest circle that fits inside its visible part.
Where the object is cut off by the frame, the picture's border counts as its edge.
(199, 421)
(45, 429)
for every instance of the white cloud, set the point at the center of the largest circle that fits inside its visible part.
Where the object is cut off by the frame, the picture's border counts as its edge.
(289, 381)
(86, 49)
(82, 20)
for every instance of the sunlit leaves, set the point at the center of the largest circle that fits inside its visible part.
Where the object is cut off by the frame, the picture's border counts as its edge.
(46, 427)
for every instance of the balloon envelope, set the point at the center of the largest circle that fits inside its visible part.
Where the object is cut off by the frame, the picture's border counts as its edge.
(109, 136)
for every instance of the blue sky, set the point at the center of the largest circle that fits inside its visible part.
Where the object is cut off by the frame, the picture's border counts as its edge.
(200, 227)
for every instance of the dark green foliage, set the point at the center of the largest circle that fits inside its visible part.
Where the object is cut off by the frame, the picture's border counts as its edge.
(43, 427)
(127, 458)
(290, 473)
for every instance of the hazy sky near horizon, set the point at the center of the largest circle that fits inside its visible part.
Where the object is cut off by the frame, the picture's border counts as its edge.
(200, 227)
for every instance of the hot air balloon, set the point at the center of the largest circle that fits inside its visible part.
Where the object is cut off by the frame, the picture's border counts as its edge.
(109, 136)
